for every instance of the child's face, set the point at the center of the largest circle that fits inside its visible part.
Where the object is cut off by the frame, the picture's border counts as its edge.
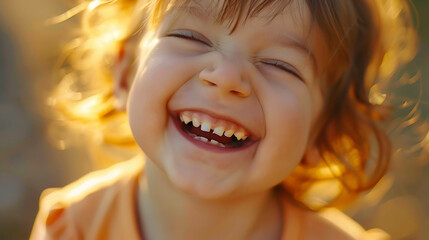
(258, 81)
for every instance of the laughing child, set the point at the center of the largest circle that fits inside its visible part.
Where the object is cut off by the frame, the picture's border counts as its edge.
(255, 117)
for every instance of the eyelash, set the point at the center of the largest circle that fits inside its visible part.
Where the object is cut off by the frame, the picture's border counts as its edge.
(275, 63)
(282, 66)
(190, 36)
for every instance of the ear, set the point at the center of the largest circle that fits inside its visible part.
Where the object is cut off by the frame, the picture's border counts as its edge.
(123, 75)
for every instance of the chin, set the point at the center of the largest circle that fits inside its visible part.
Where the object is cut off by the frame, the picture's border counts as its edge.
(201, 182)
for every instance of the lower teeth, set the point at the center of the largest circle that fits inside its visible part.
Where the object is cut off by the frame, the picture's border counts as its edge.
(212, 142)
(202, 139)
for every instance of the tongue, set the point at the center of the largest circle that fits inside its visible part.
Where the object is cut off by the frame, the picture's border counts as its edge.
(209, 135)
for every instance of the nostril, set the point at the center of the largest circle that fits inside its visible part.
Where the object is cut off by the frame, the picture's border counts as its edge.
(208, 83)
(237, 93)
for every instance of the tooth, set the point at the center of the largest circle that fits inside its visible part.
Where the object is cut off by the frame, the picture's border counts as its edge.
(202, 139)
(222, 145)
(229, 133)
(214, 142)
(244, 138)
(185, 119)
(239, 135)
(195, 122)
(219, 131)
(205, 127)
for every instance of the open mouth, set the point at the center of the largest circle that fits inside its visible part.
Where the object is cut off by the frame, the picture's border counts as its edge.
(218, 133)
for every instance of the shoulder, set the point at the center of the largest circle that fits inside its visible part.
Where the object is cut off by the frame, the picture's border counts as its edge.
(334, 224)
(75, 209)
(326, 224)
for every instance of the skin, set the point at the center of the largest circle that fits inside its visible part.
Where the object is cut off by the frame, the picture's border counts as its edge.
(228, 76)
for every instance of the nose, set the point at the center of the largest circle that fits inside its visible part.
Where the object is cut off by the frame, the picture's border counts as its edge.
(228, 74)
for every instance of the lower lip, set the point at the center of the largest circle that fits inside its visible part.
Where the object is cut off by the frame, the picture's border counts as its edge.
(207, 146)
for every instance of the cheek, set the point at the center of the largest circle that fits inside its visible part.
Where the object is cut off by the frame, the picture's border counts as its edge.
(148, 96)
(288, 117)
(287, 111)
(155, 83)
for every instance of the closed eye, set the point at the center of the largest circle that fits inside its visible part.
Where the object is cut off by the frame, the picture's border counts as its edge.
(283, 66)
(190, 35)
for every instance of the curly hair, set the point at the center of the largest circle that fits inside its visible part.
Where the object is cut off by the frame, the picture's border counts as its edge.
(369, 40)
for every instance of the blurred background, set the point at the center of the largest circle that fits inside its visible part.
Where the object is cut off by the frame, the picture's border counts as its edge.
(31, 161)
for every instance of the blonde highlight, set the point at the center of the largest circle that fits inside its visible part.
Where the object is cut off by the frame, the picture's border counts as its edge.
(358, 33)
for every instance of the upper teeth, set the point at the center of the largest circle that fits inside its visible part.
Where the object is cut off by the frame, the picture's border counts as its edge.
(219, 131)
(206, 126)
(185, 119)
(229, 132)
(219, 127)
(195, 122)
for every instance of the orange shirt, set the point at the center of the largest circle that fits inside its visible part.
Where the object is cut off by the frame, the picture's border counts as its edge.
(102, 205)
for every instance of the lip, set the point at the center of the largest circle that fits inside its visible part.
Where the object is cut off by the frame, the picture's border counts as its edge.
(207, 146)
(252, 135)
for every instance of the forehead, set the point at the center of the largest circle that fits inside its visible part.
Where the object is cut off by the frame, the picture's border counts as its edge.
(234, 13)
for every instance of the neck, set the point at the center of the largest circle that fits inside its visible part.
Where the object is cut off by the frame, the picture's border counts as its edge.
(168, 213)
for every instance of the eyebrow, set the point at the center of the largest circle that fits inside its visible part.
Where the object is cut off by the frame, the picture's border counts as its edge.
(198, 11)
(293, 42)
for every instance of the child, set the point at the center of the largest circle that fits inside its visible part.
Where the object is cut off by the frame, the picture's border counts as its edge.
(251, 115)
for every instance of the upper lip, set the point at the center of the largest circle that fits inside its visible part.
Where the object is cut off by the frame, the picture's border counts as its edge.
(221, 116)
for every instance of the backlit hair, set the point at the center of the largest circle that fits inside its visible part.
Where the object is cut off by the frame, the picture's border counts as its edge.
(368, 39)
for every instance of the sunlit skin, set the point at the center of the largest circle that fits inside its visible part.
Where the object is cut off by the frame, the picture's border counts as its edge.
(264, 77)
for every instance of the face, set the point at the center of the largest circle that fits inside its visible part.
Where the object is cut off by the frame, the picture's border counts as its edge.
(226, 113)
